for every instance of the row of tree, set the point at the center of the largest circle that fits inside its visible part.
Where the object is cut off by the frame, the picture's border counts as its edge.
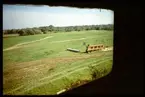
(52, 29)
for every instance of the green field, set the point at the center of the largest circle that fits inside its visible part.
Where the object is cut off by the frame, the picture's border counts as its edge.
(46, 67)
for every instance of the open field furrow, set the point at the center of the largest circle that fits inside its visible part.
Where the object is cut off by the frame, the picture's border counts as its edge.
(71, 69)
(61, 76)
(9, 92)
(53, 61)
(51, 77)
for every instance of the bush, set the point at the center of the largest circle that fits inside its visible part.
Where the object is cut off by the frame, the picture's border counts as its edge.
(44, 32)
(22, 33)
(29, 32)
(95, 73)
(37, 31)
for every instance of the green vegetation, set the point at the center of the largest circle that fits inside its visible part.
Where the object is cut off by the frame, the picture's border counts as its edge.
(52, 29)
(46, 67)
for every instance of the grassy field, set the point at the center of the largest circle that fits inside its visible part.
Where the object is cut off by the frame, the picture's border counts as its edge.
(46, 67)
(10, 40)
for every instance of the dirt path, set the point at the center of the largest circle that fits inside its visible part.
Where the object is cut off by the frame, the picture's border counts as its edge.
(67, 40)
(24, 43)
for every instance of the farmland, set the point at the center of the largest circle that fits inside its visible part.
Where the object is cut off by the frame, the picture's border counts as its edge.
(40, 64)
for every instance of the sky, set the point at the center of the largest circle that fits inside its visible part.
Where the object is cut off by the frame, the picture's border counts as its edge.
(28, 16)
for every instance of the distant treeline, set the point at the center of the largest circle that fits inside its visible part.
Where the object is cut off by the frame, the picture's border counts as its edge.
(52, 29)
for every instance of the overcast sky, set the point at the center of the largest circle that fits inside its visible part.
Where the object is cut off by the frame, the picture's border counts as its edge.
(28, 16)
